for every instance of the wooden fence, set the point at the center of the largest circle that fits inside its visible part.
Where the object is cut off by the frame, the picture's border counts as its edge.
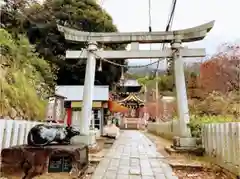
(14, 132)
(222, 143)
(220, 140)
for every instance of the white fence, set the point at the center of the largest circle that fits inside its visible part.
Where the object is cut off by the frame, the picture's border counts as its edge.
(165, 129)
(222, 143)
(14, 132)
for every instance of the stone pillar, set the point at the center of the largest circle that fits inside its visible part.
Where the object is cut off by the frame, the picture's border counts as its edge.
(87, 136)
(157, 101)
(164, 110)
(182, 102)
(88, 89)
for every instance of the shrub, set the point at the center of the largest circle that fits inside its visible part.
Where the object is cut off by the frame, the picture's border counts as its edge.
(196, 122)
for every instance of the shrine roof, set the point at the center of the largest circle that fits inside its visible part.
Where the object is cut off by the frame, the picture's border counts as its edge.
(132, 97)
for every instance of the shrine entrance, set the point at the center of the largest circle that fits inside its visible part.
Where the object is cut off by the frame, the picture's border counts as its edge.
(176, 53)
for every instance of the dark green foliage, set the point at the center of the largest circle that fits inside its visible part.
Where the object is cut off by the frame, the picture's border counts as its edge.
(39, 23)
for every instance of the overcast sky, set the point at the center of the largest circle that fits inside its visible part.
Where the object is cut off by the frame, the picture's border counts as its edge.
(132, 15)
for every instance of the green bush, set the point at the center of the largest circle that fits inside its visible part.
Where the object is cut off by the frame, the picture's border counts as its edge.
(196, 122)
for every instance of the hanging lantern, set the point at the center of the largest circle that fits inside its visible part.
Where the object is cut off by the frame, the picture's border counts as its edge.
(100, 65)
(100, 62)
(122, 76)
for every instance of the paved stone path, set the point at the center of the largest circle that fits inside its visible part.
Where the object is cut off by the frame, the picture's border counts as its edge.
(133, 156)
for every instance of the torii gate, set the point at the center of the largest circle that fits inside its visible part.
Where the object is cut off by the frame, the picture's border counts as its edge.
(176, 52)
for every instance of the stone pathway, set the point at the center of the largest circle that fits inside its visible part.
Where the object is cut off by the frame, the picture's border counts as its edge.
(133, 156)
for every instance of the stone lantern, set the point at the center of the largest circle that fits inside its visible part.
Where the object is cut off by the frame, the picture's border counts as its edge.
(55, 109)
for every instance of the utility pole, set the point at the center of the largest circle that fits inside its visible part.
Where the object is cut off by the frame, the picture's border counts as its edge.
(168, 27)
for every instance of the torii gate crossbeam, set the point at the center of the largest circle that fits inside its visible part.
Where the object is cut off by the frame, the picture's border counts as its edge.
(136, 54)
(185, 35)
(177, 52)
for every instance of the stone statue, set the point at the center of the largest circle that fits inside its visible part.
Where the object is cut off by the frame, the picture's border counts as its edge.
(43, 134)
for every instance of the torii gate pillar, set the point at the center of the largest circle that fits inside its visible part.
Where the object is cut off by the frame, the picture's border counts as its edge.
(182, 102)
(88, 136)
(88, 91)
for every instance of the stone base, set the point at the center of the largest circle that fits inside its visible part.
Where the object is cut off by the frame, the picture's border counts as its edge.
(185, 145)
(89, 140)
(31, 161)
(186, 142)
(198, 151)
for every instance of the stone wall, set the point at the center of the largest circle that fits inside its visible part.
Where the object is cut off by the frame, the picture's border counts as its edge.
(167, 129)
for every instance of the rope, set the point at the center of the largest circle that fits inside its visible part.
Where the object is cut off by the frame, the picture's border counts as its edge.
(120, 65)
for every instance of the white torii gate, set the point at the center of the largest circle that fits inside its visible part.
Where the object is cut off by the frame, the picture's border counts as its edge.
(177, 52)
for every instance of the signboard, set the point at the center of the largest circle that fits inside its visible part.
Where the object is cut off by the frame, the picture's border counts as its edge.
(59, 164)
(105, 105)
(78, 104)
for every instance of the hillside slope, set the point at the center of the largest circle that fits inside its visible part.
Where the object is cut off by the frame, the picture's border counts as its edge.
(23, 77)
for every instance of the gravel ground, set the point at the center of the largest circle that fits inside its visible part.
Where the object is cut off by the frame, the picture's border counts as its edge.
(189, 173)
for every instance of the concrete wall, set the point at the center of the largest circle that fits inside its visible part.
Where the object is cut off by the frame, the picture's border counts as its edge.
(165, 129)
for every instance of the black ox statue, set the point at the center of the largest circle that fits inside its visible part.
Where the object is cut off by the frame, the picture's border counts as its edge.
(45, 134)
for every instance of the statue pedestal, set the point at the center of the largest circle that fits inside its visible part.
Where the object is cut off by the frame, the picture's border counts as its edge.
(184, 142)
(31, 161)
(89, 140)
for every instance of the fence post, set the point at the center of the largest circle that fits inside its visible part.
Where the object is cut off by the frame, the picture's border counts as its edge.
(27, 129)
(232, 143)
(226, 136)
(209, 151)
(237, 146)
(21, 133)
(2, 132)
(8, 135)
(203, 135)
(214, 140)
(218, 141)
(15, 134)
(221, 142)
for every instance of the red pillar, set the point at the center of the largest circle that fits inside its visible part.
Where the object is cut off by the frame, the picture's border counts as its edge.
(69, 116)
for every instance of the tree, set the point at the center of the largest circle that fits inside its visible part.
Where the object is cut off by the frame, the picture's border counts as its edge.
(222, 71)
(24, 79)
(39, 22)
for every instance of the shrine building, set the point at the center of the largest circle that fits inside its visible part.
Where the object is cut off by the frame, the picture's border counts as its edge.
(128, 93)
(73, 104)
